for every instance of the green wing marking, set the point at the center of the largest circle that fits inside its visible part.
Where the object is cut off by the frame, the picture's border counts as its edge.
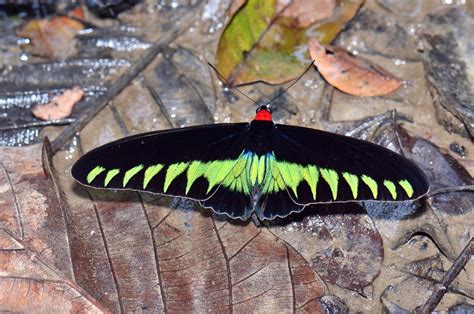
(110, 175)
(217, 173)
(311, 176)
(261, 168)
(173, 171)
(407, 187)
(130, 173)
(273, 182)
(150, 172)
(371, 184)
(353, 182)
(291, 175)
(332, 179)
(249, 170)
(391, 188)
(94, 173)
(195, 170)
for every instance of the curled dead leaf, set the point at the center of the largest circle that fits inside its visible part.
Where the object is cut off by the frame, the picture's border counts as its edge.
(53, 39)
(355, 76)
(60, 107)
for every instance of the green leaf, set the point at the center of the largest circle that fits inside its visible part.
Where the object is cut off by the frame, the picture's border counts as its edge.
(262, 44)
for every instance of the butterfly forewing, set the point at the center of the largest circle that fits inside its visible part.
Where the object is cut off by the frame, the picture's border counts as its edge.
(334, 168)
(179, 162)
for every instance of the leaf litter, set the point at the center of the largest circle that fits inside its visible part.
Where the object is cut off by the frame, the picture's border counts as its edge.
(350, 74)
(271, 47)
(61, 105)
(124, 276)
(52, 38)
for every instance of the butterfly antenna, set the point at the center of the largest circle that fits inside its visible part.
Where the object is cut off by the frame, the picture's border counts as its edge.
(228, 84)
(294, 82)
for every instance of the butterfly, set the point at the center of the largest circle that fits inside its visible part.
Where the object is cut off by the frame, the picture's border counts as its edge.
(260, 167)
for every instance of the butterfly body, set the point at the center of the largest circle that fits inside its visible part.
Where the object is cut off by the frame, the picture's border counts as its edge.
(258, 167)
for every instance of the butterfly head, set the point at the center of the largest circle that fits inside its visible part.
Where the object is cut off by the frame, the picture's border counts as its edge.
(263, 113)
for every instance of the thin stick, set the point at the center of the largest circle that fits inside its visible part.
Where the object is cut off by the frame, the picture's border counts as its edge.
(32, 124)
(441, 288)
(96, 105)
(462, 188)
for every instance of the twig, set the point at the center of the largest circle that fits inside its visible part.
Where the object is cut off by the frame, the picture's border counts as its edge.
(462, 188)
(441, 288)
(96, 105)
(32, 124)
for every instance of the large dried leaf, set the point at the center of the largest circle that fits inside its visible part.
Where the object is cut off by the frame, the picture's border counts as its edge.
(30, 208)
(450, 69)
(35, 261)
(350, 74)
(263, 39)
(54, 38)
(341, 242)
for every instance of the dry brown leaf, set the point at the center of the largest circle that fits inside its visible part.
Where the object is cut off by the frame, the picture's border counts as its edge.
(355, 76)
(61, 106)
(37, 275)
(52, 39)
(344, 249)
(76, 13)
(306, 12)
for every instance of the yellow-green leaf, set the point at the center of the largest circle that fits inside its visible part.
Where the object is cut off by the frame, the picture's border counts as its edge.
(262, 43)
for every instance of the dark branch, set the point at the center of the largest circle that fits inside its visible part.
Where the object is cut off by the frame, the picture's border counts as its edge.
(441, 288)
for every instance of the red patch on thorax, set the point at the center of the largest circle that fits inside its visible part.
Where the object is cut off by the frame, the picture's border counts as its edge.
(263, 115)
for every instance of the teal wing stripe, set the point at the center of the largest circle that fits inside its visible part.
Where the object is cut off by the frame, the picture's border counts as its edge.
(130, 173)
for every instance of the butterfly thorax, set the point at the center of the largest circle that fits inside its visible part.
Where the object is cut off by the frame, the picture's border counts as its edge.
(255, 170)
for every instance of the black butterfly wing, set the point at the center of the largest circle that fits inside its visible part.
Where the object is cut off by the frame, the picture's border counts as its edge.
(321, 167)
(189, 162)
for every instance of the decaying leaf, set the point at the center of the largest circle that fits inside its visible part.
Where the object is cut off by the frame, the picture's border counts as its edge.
(52, 39)
(61, 106)
(34, 258)
(355, 76)
(341, 242)
(449, 67)
(263, 40)
(306, 12)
